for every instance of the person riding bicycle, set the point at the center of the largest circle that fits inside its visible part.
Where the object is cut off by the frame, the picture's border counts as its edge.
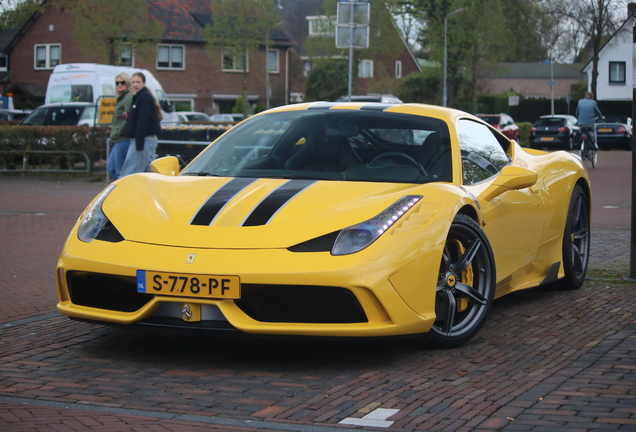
(586, 112)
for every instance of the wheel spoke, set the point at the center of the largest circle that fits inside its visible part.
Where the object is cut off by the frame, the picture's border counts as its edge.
(451, 307)
(446, 258)
(471, 292)
(467, 258)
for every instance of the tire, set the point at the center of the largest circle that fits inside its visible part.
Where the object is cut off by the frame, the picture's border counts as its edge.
(570, 144)
(466, 285)
(576, 240)
(594, 159)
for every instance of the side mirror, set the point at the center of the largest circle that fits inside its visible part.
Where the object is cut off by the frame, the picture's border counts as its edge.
(168, 165)
(510, 178)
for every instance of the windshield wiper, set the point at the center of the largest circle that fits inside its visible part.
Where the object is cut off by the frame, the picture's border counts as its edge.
(200, 174)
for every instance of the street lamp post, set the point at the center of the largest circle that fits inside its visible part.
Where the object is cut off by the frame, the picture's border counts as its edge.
(551, 83)
(445, 90)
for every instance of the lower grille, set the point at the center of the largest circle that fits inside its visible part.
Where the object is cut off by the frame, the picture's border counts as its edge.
(300, 304)
(104, 291)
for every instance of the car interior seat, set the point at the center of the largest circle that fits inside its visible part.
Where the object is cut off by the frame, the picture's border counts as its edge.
(322, 152)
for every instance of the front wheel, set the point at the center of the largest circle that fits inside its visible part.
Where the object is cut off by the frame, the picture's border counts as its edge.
(466, 285)
(594, 159)
(576, 240)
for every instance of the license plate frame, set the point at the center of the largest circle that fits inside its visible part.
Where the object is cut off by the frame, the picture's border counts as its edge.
(202, 286)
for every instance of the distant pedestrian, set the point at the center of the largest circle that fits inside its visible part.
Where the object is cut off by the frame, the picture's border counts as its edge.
(117, 138)
(143, 127)
(586, 112)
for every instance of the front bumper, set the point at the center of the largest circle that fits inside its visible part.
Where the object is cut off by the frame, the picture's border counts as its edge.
(283, 293)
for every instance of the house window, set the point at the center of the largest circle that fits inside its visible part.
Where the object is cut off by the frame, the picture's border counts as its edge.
(398, 69)
(320, 26)
(170, 57)
(272, 61)
(47, 56)
(617, 72)
(4, 62)
(365, 69)
(126, 54)
(234, 61)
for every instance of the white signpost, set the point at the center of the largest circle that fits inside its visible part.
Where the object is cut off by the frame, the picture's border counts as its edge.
(352, 30)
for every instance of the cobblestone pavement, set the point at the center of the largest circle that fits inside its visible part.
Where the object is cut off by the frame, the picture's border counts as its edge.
(546, 360)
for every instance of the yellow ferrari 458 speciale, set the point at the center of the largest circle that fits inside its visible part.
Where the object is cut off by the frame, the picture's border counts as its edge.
(332, 219)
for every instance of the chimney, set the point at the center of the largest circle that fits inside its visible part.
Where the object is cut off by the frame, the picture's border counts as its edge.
(631, 9)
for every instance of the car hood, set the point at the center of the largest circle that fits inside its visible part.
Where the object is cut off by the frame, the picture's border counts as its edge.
(239, 213)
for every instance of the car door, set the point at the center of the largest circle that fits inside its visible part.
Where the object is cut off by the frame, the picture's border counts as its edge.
(513, 220)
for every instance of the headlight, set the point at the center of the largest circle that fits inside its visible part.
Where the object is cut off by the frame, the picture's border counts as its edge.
(95, 219)
(357, 237)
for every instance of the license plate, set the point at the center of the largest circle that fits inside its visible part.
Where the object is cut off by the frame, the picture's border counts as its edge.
(188, 285)
(547, 138)
(605, 130)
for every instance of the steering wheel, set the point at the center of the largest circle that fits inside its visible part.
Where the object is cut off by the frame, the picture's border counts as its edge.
(404, 156)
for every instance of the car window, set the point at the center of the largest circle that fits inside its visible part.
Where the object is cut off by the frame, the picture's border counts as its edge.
(37, 117)
(64, 116)
(4, 116)
(363, 145)
(491, 120)
(482, 154)
(88, 115)
(550, 122)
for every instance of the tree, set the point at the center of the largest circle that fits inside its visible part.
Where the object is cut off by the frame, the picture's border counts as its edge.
(596, 20)
(101, 26)
(327, 80)
(239, 27)
(17, 15)
(385, 46)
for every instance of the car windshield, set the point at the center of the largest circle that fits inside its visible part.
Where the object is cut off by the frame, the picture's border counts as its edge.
(491, 120)
(360, 145)
(550, 122)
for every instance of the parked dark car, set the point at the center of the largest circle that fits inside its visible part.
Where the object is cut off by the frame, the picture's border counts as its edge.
(554, 131)
(614, 130)
(504, 123)
(62, 114)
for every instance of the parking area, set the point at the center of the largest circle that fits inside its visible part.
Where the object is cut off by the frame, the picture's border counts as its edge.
(546, 360)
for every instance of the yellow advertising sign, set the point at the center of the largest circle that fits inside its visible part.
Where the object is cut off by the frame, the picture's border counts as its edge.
(106, 110)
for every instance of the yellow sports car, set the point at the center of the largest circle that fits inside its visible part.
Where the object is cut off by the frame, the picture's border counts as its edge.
(332, 219)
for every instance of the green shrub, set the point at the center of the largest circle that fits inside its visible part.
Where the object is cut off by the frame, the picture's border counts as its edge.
(524, 133)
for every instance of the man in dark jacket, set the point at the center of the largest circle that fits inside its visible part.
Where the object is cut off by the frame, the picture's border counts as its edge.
(143, 127)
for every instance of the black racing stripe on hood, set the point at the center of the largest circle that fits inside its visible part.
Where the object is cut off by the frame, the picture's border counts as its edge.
(275, 201)
(217, 201)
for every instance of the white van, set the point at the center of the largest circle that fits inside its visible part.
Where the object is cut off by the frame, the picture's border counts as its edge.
(86, 82)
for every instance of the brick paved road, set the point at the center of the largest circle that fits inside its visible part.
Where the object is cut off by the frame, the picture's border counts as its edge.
(546, 360)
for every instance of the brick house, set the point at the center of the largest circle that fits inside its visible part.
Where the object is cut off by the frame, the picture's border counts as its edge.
(531, 80)
(193, 77)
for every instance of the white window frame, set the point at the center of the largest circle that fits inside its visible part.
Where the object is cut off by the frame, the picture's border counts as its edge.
(398, 69)
(170, 48)
(319, 26)
(49, 62)
(127, 45)
(236, 66)
(274, 62)
(365, 68)
(620, 69)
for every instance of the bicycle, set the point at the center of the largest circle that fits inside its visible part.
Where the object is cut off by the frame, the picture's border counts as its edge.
(588, 152)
